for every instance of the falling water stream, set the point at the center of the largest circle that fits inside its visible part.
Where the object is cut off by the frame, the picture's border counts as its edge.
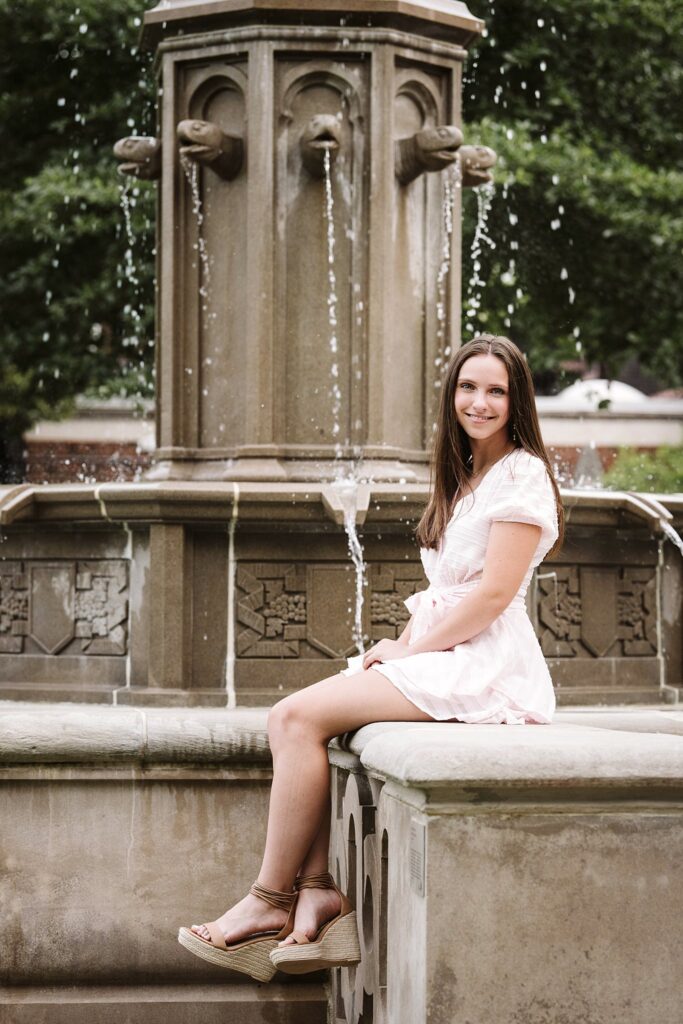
(673, 536)
(476, 284)
(347, 490)
(345, 485)
(192, 174)
(335, 390)
(129, 269)
(452, 181)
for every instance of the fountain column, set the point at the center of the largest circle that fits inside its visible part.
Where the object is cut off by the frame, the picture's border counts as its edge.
(254, 94)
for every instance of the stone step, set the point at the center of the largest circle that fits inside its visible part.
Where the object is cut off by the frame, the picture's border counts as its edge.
(250, 1003)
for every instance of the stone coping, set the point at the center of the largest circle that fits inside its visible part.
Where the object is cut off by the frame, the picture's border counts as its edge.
(293, 502)
(83, 734)
(590, 751)
(589, 748)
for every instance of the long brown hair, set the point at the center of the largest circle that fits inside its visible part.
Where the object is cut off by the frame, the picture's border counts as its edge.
(452, 450)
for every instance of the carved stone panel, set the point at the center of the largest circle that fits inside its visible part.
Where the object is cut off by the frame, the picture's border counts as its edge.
(390, 585)
(597, 611)
(289, 610)
(61, 607)
(13, 608)
(51, 618)
(331, 609)
(271, 609)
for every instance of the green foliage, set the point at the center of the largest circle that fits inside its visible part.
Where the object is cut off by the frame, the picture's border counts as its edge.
(76, 310)
(578, 99)
(660, 472)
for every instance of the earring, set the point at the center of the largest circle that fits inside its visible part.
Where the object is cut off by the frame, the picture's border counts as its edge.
(514, 433)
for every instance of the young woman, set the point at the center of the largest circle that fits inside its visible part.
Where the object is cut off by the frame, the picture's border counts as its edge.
(468, 654)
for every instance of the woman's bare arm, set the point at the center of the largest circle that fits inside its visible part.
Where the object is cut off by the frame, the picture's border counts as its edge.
(508, 556)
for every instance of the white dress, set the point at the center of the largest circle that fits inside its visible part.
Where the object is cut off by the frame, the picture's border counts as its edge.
(498, 676)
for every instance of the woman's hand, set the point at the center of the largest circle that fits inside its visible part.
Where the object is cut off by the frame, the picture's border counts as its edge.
(385, 650)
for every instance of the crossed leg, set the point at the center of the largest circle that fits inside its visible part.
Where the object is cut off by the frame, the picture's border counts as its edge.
(299, 729)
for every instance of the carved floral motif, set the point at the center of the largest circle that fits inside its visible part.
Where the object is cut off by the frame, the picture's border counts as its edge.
(274, 606)
(626, 597)
(94, 613)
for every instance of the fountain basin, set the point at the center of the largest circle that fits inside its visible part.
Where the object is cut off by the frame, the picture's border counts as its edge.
(236, 594)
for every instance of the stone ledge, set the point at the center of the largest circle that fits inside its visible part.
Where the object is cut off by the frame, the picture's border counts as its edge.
(623, 753)
(68, 733)
(599, 749)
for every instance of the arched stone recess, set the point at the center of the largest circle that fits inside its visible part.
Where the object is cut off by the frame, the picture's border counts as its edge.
(214, 214)
(318, 400)
(419, 334)
(359, 858)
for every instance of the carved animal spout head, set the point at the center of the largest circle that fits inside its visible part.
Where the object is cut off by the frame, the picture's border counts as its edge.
(139, 156)
(322, 134)
(432, 149)
(475, 162)
(206, 143)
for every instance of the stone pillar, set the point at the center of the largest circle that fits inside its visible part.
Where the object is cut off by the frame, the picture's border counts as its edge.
(169, 634)
(247, 374)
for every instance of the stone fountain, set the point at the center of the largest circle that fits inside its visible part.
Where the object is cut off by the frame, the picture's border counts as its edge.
(302, 166)
(305, 159)
(256, 95)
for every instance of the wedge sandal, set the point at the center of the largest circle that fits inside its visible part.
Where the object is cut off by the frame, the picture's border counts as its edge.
(250, 955)
(335, 945)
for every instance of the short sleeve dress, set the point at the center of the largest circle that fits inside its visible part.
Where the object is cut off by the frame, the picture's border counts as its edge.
(498, 676)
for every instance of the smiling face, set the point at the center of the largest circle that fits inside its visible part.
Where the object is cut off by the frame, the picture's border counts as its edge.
(482, 400)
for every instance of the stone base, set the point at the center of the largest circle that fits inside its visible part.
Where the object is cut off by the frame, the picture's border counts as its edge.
(166, 1004)
(513, 875)
(501, 874)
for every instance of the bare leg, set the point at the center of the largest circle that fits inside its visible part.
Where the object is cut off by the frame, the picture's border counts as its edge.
(299, 729)
(315, 906)
(318, 855)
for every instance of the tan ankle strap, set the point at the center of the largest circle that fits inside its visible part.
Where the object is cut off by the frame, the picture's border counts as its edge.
(281, 900)
(321, 881)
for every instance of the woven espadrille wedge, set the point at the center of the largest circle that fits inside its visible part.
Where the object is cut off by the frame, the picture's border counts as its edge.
(335, 945)
(251, 955)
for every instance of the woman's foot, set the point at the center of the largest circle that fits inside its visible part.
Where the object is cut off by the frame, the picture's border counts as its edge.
(313, 909)
(251, 916)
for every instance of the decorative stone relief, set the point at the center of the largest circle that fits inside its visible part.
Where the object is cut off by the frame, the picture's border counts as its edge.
(592, 611)
(64, 606)
(360, 864)
(282, 604)
(271, 608)
(13, 607)
(390, 585)
(637, 612)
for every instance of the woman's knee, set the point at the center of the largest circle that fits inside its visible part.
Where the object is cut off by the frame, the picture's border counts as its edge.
(288, 719)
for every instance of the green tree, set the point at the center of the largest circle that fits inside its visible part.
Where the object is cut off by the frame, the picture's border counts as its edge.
(581, 99)
(661, 471)
(76, 301)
